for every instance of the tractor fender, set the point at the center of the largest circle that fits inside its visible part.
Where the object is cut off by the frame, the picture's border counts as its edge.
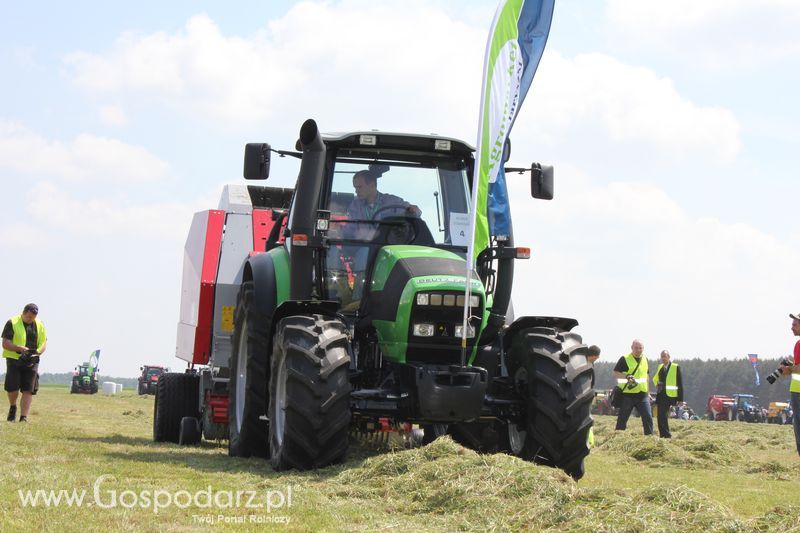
(260, 269)
(558, 323)
(327, 308)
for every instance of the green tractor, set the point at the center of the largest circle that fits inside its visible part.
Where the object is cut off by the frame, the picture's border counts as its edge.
(84, 377)
(351, 317)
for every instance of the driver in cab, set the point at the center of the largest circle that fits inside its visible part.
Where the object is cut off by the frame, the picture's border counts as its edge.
(370, 204)
(367, 205)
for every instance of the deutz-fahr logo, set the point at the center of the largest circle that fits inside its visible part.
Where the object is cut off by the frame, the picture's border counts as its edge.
(456, 281)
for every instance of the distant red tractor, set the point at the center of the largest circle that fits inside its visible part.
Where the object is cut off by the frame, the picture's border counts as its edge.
(148, 379)
(720, 408)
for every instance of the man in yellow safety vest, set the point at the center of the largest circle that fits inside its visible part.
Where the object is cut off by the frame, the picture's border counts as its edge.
(24, 340)
(669, 391)
(632, 375)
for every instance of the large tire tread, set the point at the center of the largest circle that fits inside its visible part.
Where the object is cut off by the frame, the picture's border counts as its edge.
(177, 396)
(555, 378)
(316, 352)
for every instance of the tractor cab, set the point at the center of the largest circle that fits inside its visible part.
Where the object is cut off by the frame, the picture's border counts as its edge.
(398, 230)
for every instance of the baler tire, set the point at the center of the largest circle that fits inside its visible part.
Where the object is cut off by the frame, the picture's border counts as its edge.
(309, 393)
(249, 436)
(189, 433)
(554, 378)
(177, 396)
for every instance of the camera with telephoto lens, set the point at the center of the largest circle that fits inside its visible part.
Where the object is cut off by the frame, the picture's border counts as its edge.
(772, 378)
(29, 358)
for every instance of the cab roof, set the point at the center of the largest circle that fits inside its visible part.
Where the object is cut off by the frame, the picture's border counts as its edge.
(397, 140)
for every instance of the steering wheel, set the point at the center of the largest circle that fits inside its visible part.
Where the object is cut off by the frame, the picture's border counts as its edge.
(387, 207)
(396, 230)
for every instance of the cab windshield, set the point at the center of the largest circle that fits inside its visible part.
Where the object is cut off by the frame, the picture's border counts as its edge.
(366, 194)
(376, 202)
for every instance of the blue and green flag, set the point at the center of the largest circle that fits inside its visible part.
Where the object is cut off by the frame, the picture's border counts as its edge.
(516, 42)
(94, 361)
(515, 46)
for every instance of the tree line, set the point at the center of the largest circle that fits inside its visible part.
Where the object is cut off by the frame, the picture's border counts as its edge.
(702, 379)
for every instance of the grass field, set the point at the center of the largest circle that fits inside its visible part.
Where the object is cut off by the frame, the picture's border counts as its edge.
(710, 477)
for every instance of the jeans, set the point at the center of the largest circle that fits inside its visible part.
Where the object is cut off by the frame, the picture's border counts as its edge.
(642, 405)
(796, 418)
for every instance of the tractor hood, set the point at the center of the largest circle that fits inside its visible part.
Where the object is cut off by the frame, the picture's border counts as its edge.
(402, 272)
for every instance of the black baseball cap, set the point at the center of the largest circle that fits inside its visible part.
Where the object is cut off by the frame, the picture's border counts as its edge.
(31, 308)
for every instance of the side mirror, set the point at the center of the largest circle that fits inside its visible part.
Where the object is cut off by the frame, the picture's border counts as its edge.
(256, 161)
(541, 181)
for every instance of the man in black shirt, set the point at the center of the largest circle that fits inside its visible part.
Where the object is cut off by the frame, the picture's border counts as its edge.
(669, 391)
(24, 339)
(631, 373)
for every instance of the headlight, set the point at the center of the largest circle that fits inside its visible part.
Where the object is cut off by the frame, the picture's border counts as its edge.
(474, 301)
(423, 330)
(422, 298)
(470, 331)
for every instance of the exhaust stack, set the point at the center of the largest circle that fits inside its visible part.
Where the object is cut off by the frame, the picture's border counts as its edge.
(304, 218)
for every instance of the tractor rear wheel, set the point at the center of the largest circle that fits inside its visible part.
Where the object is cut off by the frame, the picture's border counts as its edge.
(177, 396)
(309, 408)
(553, 376)
(247, 403)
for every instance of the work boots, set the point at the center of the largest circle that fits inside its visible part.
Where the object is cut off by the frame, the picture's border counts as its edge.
(12, 413)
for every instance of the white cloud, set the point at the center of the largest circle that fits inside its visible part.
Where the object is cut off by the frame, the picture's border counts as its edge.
(601, 100)
(113, 115)
(22, 236)
(628, 261)
(107, 215)
(321, 59)
(87, 157)
(714, 33)
(342, 64)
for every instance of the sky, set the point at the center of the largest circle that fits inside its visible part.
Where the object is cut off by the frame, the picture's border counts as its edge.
(672, 126)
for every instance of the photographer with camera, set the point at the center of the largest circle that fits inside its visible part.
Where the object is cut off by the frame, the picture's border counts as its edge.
(631, 374)
(792, 368)
(669, 392)
(24, 340)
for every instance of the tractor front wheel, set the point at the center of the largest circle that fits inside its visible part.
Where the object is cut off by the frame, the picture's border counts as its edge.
(309, 409)
(553, 376)
(247, 432)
